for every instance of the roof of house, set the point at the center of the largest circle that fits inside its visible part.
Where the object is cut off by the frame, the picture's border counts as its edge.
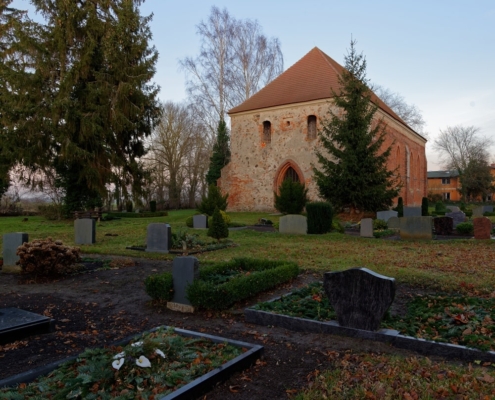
(442, 174)
(313, 77)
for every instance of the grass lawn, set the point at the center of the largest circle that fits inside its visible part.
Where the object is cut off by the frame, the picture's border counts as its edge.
(447, 265)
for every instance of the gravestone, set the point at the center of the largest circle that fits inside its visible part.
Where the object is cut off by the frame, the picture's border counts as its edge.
(453, 208)
(457, 217)
(158, 238)
(415, 228)
(443, 225)
(11, 241)
(482, 228)
(412, 212)
(85, 231)
(366, 227)
(487, 209)
(294, 224)
(200, 221)
(386, 215)
(393, 223)
(478, 211)
(16, 324)
(359, 296)
(184, 271)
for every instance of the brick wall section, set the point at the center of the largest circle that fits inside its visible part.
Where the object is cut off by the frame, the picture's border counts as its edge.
(254, 172)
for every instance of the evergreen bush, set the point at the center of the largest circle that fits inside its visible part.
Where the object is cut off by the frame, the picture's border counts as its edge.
(336, 226)
(160, 286)
(465, 228)
(424, 207)
(225, 217)
(440, 207)
(153, 206)
(218, 228)
(292, 198)
(379, 224)
(212, 200)
(319, 216)
(400, 207)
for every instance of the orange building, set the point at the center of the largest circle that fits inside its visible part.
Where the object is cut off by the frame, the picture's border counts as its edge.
(445, 183)
(274, 137)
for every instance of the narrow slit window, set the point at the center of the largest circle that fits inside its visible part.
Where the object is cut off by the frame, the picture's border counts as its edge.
(267, 132)
(311, 127)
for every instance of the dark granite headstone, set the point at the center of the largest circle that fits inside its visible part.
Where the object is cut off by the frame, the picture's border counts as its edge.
(443, 225)
(158, 238)
(16, 324)
(359, 296)
(200, 221)
(184, 271)
(487, 209)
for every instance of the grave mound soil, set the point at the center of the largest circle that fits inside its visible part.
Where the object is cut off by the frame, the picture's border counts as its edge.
(99, 307)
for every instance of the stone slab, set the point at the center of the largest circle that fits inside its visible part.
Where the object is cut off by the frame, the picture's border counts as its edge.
(416, 228)
(158, 238)
(85, 231)
(16, 324)
(359, 296)
(482, 228)
(443, 225)
(478, 211)
(183, 308)
(293, 224)
(412, 212)
(487, 209)
(11, 241)
(366, 229)
(386, 215)
(453, 208)
(200, 221)
(184, 271)
(393, 223)
(457, 217)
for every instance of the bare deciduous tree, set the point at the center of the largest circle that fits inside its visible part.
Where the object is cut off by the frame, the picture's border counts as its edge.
(409, 113)
(235, 59)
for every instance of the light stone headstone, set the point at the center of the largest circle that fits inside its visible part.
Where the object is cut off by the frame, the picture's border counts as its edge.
(487, 209)
(359, 296)
(457, 217)
(478, 211)
(158, 238)
(184, 271)
(294, 224)
(482, 228)
(366, 227)
(200, 221)
(412, 212)
(416, 228)
(85, 231)
(11, 241)
(453, 208)
(386, 215)
(393, 223)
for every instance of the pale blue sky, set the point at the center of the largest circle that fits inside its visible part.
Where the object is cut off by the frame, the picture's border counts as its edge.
(438, 54)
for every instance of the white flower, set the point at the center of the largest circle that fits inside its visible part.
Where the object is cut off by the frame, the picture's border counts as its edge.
(143, 362)
(120, 355)
(160, 353)
(136, 344)
(118, 363)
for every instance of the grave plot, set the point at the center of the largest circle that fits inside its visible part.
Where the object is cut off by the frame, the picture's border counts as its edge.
(16, 324)
(165, 362)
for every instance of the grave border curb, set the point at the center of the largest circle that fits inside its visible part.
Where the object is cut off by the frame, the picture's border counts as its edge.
(193, 389)
(390, 336)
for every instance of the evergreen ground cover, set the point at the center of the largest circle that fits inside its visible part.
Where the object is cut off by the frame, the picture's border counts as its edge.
(462, 320)
(156, 365)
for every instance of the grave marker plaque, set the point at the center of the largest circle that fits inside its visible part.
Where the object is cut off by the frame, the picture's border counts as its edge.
(457, 217)
(85, 231)
(415, 228)
(482, 228)
(158, 238)
(366, 227)
(295, 224)
(11, 241)
(200, 221)
(184, 271)
(412, 211)
(394, 223)
(386, 215)
(443, 225)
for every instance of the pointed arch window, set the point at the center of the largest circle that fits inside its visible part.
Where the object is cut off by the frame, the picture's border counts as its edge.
(291, 174)
(267, 132)
(311, 127)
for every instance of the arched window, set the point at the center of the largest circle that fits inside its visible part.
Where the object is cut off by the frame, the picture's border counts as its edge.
(267, 132)
(311, 127)
(291, 174)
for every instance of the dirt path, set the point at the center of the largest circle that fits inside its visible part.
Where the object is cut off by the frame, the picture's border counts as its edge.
(97, 308)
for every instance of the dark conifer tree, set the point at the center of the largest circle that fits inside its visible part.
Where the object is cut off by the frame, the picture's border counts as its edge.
(353, 168)
(221, 154)
(218, 228)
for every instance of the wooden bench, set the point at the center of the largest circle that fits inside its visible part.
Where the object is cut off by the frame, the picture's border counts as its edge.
(88, 214)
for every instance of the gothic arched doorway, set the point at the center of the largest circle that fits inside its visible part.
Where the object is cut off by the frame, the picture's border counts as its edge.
(288, 170)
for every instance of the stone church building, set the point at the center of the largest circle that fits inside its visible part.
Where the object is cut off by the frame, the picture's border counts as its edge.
(274, 134)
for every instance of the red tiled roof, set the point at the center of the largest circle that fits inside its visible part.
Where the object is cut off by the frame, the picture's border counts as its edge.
(311, 78)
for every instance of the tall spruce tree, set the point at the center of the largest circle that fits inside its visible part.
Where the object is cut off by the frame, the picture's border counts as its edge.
(221, 154)
(90, 74)
(353, 169)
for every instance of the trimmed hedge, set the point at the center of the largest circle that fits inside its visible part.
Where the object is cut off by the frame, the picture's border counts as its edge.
(137, 215)
(223, 284)
(319, 217)
(160, 286)
(465, 228)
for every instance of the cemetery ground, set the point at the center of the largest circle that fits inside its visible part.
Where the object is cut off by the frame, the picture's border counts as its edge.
(98, 307)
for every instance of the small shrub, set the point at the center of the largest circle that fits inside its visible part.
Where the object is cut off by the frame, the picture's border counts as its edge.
(292, 198)
(48, 258)
(51, 212)
(225, 217)
(424, 207)
(182, 236)
(379, 224)
(462, 206)
(440, 207)
(469, 213)
(319, 217)
(218, 228)
(383, 233)
(213, 200)
(465, 228)
(160, 287)
(336, 226)
(190, 222)
(153, 206)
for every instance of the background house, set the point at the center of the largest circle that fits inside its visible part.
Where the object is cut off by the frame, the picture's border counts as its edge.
(274, 134)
